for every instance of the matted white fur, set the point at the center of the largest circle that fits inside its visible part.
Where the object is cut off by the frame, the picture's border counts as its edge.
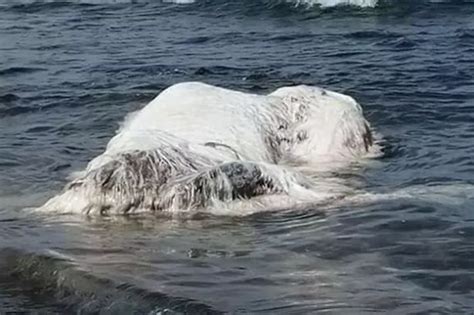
(197, 147)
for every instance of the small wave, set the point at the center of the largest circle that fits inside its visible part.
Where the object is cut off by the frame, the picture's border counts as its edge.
(18, 70)
(373, 35)
(55, 280)
(9, 97)
(180, 1)
(36, 5)
(17, 110)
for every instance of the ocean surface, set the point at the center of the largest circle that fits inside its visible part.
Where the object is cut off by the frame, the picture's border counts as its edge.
(70, 72)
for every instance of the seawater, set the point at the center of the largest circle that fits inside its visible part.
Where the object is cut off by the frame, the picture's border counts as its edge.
(70, 72)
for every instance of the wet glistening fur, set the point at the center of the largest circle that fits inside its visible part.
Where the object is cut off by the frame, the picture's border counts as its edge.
(197, 147)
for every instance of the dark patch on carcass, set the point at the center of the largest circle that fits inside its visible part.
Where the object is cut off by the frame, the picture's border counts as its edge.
(247, 180)
(229, 181)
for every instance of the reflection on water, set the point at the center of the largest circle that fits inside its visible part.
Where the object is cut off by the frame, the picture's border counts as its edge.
(287, 262)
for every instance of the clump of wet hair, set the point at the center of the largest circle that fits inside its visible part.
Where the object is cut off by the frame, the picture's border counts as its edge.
(165, 180)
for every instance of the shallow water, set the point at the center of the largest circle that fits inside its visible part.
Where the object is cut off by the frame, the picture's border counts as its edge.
(71, 71)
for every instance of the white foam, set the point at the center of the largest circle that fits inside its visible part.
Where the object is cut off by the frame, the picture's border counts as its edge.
(331, 3)
(449, 194)
(309, 3)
